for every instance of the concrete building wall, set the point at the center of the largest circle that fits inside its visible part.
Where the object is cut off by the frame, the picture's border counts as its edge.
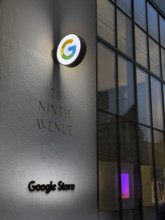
(47, 111)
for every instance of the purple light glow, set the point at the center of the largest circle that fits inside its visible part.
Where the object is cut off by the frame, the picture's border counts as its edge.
(125, 185)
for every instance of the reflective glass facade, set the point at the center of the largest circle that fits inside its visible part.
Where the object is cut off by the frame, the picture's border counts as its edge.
(131, 98)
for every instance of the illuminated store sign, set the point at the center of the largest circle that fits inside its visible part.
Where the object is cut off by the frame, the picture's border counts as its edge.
(47, 188)
(71, 50)
(125, 185)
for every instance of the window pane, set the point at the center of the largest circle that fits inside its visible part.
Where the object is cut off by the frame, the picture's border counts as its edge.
(147, 178)
(160, 165)
(143, 97)
(157, 110)
(108, 168)
(124, 30)
(141, 47)
(125, 5)
(162, 30)
(140, 12)
(105, 20)
(152, 22)
(126, 88)
(163, 62)
(129, 171)
(106, 79)
(128, 148)
(154, 57)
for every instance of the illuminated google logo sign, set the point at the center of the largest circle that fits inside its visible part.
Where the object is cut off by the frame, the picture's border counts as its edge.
(71, 50)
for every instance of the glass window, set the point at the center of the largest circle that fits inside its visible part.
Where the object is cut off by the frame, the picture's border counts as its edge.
(106, 20)
(129, 170)
(141, 47)
(126, 88)
(143, 97)
(125, 5)
(163, 62)
(140, 12)
(106, 79)
(162, 31)
(160, 165)
(152, 21)
(108, 168)
(124, 33)
(128, 148)
(157, 108)
(154, 57)
(147, 178)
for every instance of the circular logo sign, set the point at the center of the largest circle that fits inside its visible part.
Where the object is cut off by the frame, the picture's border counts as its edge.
(71, 50)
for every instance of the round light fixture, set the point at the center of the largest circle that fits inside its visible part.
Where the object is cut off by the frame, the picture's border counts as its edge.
(70, 51)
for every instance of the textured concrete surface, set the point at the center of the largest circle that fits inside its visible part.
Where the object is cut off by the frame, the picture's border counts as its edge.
(47, 111)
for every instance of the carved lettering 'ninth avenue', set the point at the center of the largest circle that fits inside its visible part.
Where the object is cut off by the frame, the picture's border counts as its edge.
(58, 126)
(49, 108)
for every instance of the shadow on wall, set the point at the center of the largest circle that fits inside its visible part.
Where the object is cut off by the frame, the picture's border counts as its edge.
(55, 10)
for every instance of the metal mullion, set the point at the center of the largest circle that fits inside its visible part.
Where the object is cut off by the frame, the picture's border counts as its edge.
(152, 38)
(119, 169)
(154, 171)
(156, 41)
(121, 10)
(137, 126)
(115, 49)
(129, 119)
(140, 27)
(156, 129)
(112, 2)
(120, 116)
(159, 12)
(145, 125)
(104, 111)
(150, 127)
(149, 72)
(157, 8)
(133, 32)
(117, 121)
(163, 103)
(161, 70)
(153, 149)
(155, 76)
(148, 52)
(162, 46)
(101, 40)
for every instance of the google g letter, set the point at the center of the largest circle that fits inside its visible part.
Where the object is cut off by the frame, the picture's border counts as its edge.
(71, 50)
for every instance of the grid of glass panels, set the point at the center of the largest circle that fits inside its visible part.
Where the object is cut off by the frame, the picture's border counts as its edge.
(131, 109)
